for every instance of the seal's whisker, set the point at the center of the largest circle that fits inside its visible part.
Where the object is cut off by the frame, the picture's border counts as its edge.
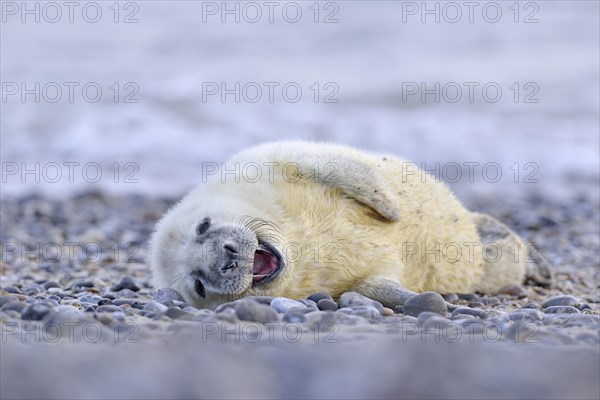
(175, 238)
(183, 235)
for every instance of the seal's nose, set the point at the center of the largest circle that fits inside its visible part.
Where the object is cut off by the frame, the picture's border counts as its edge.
(231, 248)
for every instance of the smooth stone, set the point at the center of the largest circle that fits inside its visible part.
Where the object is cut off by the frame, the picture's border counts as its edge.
(125, 282)
(490, 301)
(6, 299)
(284, 305)
(84, 283)
(387, 312)
(175, 313)
(532, 305)
(165, 295)
(584, 306)
(309, 303)
(367, 312)
(425, 315)
(108, 308)
(251, 310)
(352, 299)
(224, 306)
(51, 285)
(450, 297)
(228, 315)
(399, 310)
(470, 297)
(192, 310)
(327, 305)
(155, 307)
(14, 306)
(316, 297)
(90, 298)
(512, 290)
(526, 315)
(35, 312)
(564, 300)
(561, 310)
(294, 316)
(470, 311)
(12, 289)
(427, 301)
(128, 293)
(476, 304)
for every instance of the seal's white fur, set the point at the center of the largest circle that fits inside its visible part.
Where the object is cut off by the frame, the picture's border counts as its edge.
(343, 217)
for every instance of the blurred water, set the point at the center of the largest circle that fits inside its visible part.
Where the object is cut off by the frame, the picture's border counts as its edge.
(367, 57)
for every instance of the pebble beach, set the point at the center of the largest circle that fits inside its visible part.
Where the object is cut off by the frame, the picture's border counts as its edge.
(90, 322)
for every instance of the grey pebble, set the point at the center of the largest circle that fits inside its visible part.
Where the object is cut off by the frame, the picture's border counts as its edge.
(450, 297)
(128, 293)
(512, 290)
(352, 299)
(490, 301)
(155, 307)
(367, 312)
(284, 305)
(12, 289)
(327, 305)
(166, 295)
(228, 315)
(108, 308)
(427, 301)
(561, 310)
(35, 312)
(125, 282)
(90, 298)
(296, 315)
(6, 299)
(251, 310)
(564, 300)
(470, 297)
(526, 315)
(470, 311)
(316, 297)
(224, 306)
(82, 283)
(309, 303)
(176, 313)
(14, 306)
(52, 284)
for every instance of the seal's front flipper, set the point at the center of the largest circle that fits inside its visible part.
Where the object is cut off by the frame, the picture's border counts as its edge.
(384, 290)
(355, 178)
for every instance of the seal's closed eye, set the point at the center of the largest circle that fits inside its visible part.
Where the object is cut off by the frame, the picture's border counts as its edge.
(203, 226)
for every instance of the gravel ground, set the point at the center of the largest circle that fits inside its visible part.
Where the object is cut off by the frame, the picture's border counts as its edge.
(86, 323)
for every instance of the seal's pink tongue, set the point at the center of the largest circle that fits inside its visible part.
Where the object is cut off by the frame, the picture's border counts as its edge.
(265, 264)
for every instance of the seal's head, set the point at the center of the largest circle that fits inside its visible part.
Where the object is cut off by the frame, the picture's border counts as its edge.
(213, 259)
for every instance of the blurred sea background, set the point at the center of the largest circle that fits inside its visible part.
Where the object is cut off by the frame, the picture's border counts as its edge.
(369, 59)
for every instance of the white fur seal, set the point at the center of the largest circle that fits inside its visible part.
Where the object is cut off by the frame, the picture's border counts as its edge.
(293, 218)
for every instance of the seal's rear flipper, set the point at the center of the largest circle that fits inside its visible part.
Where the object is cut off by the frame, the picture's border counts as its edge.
(507, 259)
(537, 268)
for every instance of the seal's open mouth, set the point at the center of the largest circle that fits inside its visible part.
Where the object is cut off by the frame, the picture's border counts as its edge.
(267, 264)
